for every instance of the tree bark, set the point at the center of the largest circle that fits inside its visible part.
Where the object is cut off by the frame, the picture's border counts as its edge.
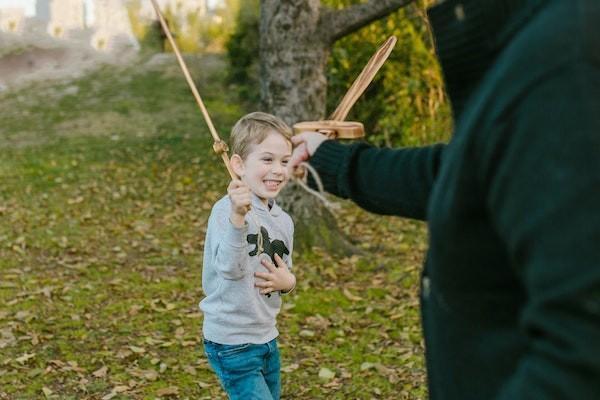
(292, 59)
(295, 41)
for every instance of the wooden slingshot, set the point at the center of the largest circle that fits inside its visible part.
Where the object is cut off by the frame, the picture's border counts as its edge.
(335, 127)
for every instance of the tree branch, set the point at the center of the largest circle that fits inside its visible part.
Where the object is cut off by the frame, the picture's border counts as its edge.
(335, 24)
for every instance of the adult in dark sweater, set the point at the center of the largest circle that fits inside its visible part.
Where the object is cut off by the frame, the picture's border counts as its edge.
(510, 292)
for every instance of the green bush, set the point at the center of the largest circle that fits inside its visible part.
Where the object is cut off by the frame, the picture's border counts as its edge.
(405, 104)
(242, 54)
(202, 33)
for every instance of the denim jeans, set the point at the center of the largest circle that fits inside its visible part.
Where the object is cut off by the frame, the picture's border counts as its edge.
(246, 371)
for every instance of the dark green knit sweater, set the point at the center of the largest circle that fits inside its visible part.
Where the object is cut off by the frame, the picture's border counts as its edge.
(511, 286)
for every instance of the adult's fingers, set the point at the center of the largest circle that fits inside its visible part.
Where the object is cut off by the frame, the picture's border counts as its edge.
(299, 138)
(299, 155)
(312, 140)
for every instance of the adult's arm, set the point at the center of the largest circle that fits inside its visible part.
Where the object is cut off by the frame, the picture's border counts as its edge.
(545, 204)
(380, 180)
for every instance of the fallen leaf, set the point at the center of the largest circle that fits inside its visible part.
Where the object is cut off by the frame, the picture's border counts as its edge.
(101, 373)
(168, 391)
(325, 374)
(47, 392)
(190, 370)
(290, 368)
(350, 296)
(24, 358)
(366, 365)
(137, 350)
(109, 396)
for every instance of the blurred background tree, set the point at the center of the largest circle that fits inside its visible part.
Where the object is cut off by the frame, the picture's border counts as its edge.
(193, 32)
(242, 54)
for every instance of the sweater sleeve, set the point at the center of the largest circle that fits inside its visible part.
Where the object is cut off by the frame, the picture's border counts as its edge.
(545, 203)
(381, 180)
(228, 244)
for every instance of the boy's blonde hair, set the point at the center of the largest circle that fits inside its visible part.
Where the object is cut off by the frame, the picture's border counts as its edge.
(252, 129)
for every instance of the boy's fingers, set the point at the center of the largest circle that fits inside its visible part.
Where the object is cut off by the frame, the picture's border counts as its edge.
(241, 190)
(235, 183)
(268, 265)
(279, 261)
(262, 275)
(245, 200)
(264, 284)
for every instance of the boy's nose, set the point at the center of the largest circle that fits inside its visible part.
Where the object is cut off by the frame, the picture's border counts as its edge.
(279, 168)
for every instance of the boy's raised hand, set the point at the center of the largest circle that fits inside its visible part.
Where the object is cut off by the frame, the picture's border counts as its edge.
(277, 278)
(240, 196)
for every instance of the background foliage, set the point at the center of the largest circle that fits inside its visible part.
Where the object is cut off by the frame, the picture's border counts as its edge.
(405, 105)
(204, 33)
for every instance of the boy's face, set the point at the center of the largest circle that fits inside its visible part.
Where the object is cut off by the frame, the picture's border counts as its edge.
(265, 168)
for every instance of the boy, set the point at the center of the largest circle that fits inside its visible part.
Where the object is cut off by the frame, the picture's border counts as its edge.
(245, 267)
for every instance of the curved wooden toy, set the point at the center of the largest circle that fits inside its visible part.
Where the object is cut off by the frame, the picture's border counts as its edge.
(332, 129)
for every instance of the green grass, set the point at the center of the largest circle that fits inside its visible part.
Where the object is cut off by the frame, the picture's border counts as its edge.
(106, 190)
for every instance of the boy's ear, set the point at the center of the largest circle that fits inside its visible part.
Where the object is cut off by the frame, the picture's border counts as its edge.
(237, 165)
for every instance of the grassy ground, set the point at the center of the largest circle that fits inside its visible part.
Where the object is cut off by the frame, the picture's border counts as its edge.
(107, 183)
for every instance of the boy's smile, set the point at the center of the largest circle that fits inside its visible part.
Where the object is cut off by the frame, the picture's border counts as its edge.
(265, 168)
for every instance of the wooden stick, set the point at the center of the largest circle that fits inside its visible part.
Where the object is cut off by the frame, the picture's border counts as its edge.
(219, 146)
(363, 80)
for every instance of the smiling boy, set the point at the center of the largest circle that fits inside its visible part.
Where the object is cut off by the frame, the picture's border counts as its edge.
(247, 260)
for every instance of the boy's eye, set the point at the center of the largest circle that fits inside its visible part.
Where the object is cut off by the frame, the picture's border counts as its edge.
(267, 159)
(284, 162)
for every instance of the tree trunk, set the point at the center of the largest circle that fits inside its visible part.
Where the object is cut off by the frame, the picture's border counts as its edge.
(292, 60)
(295, 40)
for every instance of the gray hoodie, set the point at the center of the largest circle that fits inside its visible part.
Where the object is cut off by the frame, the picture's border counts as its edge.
(234, 310)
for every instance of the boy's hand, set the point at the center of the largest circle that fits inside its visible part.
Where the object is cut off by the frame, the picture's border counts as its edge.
(240, 196)
(276, 279)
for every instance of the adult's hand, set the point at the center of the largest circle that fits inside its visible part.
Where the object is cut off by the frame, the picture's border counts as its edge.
(305, 145)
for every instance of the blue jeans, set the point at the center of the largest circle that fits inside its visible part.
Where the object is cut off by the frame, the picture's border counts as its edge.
(246, 371)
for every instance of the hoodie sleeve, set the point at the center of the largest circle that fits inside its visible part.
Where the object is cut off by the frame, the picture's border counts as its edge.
(228, 245)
